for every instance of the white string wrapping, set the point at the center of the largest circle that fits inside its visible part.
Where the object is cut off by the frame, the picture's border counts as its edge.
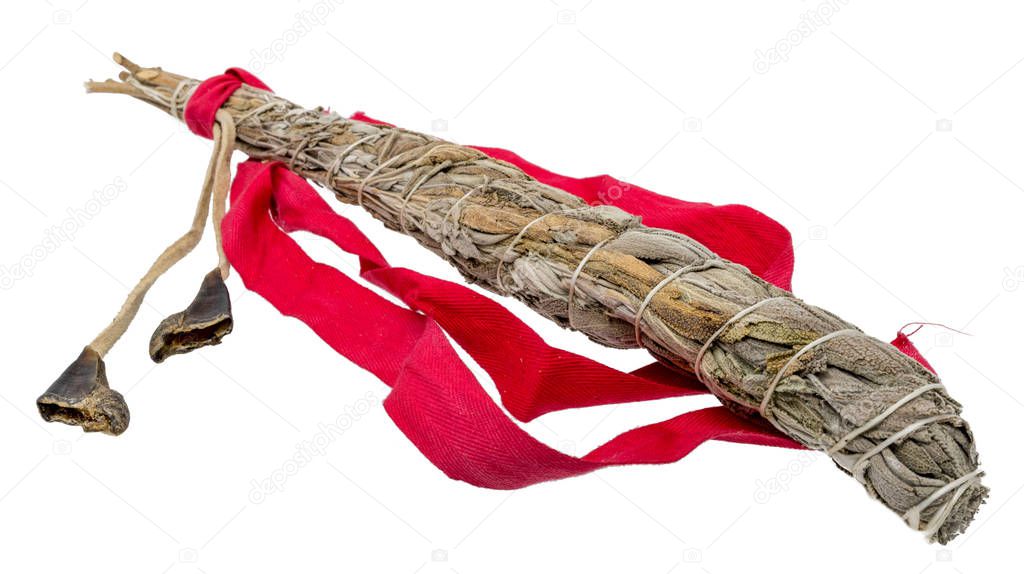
(877, 420)
(763, 409)
(637, 319)
(698, 362)
(576, 275)
(414, 187)
(517, 238)
(913, 516)
(458, 202)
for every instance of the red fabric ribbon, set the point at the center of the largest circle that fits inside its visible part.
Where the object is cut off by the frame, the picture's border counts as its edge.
(435, 399)
(211, 94)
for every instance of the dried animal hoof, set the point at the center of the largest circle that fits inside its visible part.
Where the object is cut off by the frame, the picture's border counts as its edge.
(204, 322)
(81, 396)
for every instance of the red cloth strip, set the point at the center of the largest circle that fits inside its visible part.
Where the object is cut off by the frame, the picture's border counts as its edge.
(211, 94)
(435, 399)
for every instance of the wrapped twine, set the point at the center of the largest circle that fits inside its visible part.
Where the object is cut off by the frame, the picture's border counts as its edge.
(881, 416)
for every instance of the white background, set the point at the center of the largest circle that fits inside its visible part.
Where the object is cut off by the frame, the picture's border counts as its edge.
(888, 140)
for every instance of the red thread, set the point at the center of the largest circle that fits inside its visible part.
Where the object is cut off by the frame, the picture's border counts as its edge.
(904, 344)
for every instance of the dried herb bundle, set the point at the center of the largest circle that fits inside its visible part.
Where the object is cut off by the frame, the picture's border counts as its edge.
(879, 414)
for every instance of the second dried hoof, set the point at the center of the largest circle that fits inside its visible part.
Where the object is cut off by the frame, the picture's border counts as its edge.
(204, 322)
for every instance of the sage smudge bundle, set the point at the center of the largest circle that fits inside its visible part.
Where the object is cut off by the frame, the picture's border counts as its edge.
(880, 415)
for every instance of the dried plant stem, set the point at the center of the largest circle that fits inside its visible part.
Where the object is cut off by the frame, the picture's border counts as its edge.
(879, 414)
